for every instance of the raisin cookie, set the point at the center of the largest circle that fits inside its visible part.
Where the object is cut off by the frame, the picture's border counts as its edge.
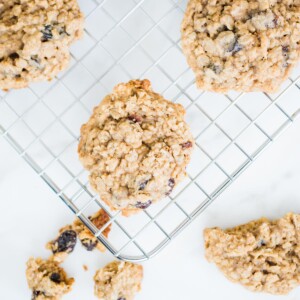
(243, 45)
(64, 244)
(47, 279)
(136, 146)
(86, 237)
(118, 281)
(262, 255)
(35, 37)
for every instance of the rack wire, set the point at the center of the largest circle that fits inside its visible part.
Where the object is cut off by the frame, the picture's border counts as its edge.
(141, 39)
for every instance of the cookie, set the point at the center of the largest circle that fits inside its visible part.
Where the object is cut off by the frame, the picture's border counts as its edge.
(118, 281)
(242, 45)
(64, 244)
(136, 146)
(35, 37)
(86, 237)
(47, 279)
(263, 255)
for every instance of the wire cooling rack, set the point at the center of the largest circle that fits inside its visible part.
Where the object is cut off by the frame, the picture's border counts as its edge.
(140, 39)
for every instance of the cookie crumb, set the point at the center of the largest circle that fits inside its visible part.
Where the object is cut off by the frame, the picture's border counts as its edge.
(64, 244)
(85, 268)
(118, 280)
(47, 279)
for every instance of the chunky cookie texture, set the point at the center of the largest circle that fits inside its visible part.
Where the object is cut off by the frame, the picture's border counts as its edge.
(47, 279)
(118, 281)
(241, 45)
(35, 36)
(262, 255)
(136, 146)
(87, 239)
(64, 244)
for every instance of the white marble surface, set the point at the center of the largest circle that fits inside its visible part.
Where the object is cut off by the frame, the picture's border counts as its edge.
(31, 214)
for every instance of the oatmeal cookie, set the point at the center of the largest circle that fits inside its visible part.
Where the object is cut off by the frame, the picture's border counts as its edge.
(136, 146)
(262, 255)
(118, 281)
(87, 239)
(47, 279)
(35, 37)
(64, 244)
(243, 45)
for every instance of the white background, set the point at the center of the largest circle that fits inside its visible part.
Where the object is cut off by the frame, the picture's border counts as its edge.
(31, 215)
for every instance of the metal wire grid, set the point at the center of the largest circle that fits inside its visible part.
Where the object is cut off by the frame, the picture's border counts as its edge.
(140, 39)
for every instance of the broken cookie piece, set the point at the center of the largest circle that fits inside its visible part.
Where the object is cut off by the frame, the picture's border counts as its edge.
(118, 281)
(64, 244)
(263, 255)
(47, 280)
(86, 237)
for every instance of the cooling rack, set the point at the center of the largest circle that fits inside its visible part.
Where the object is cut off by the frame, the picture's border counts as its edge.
(140, 39)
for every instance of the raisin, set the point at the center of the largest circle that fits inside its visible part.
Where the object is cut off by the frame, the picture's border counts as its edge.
(275, 21)
(143, 205)
(66, 242)
(135, 118)
(171, 184)
(261, 243)
(265, 272)
(122, 298)
(143, 185)
(285, 49)
(285, 54)
(187, 145)
(35, 61)
(88, 244)
(47, 33)
(62, 31)
(270, 263)
(285, 64)
(11, 21)
(55, 277)
(292, 253)
(215, 68)
(14, 56)
(35, 294)
(236, 47)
